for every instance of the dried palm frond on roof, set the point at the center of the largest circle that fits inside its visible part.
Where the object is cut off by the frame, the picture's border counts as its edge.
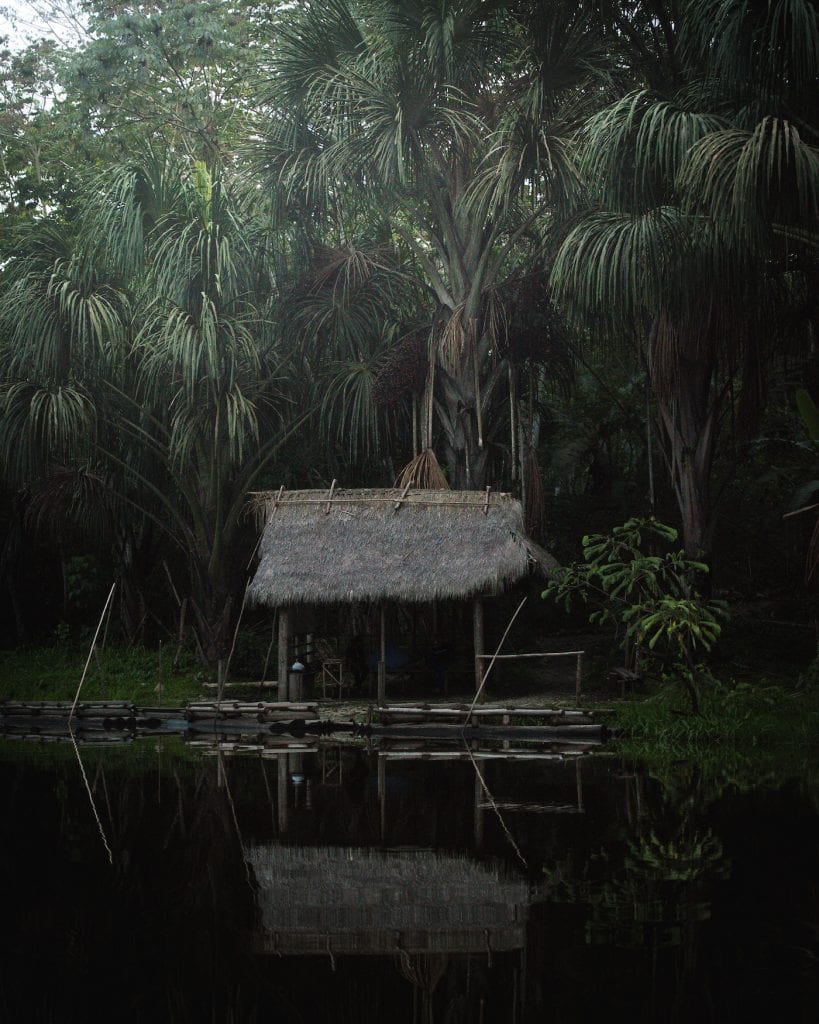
(424, 473)
(376, 545)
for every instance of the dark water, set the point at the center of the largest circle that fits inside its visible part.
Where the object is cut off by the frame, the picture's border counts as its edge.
(343, 885)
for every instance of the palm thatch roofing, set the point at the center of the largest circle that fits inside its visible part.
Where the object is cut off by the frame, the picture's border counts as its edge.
(377, 545)
(357, 900)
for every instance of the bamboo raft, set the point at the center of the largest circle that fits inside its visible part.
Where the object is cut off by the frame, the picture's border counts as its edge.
(258, 718)
(261, 711)
(396, 714)
(62, 709)
(106, 720)
(496, 722)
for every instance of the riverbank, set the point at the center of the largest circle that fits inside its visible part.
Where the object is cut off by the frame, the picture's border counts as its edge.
(762, 715)
(732, 713)
(118, 672)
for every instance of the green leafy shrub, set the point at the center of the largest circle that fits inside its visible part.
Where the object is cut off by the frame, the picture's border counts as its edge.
(650, 599)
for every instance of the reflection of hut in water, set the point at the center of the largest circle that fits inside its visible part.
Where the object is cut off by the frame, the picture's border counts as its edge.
(389, 545)
(331, 900)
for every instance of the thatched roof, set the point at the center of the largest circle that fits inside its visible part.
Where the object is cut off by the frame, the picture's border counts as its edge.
(390, 545)
(358, 900)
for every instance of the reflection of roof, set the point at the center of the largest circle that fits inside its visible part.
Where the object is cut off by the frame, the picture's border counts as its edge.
(384, 545)
(339, 899)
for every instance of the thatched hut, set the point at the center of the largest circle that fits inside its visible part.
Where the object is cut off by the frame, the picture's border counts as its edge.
(321, 547)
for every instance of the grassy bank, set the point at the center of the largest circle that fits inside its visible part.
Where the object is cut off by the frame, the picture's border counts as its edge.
(762, 715)
(120, 672)
(755, 726)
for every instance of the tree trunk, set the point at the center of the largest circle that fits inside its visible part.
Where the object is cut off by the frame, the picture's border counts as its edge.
(213, 613)
(458, 393)
(689, 411)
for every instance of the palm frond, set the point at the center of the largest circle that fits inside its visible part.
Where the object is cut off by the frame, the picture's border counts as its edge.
(76, 500)
(616, 266)
(231, 425)
(41, 425)
(748, 181)
(348, 410)
(633, 149)
(775, 44)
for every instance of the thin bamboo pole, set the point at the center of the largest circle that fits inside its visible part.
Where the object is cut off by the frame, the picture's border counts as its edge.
(224, 675)
(494, 658)
(91, 799)
(532, 654)
(91, 651)
(269, 649)
(418, 497)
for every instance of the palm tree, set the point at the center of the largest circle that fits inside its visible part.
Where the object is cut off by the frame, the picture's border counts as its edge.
(697, 236)
(348, 306)
(150, 348)
(427, 117)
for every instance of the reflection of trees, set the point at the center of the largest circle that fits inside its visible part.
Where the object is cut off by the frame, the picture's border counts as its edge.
(648, 891)
(654, 898)
(158, 933)
(630, 906)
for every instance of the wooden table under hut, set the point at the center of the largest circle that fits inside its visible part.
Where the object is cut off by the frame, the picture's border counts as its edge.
(339, 547)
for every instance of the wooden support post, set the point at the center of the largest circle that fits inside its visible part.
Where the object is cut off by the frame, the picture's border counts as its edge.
(284, 660)
(382, 662)
(477, 630)
(478, 801)
(578, 678)
(382, 794)
(281, 792)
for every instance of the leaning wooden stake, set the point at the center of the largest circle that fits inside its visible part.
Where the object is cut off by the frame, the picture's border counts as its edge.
(494, 657)
(93, 645)
(223, 676)
(91, 796)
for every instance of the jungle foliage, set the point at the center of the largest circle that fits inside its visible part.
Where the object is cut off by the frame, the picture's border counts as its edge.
(565, 250)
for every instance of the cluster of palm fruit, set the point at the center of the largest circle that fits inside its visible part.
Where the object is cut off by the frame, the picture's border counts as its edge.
(404, 371)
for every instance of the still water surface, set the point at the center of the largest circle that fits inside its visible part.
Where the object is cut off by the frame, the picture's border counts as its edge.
(156, 881)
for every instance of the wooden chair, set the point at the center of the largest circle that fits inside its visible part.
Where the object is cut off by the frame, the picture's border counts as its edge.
(332, 676)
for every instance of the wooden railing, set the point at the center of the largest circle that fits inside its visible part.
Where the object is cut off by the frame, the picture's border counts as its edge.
(579, 655)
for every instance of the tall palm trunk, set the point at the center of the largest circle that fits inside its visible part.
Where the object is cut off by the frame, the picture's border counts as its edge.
(689, 410)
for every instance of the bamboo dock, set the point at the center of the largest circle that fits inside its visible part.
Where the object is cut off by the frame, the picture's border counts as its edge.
(235, 718)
